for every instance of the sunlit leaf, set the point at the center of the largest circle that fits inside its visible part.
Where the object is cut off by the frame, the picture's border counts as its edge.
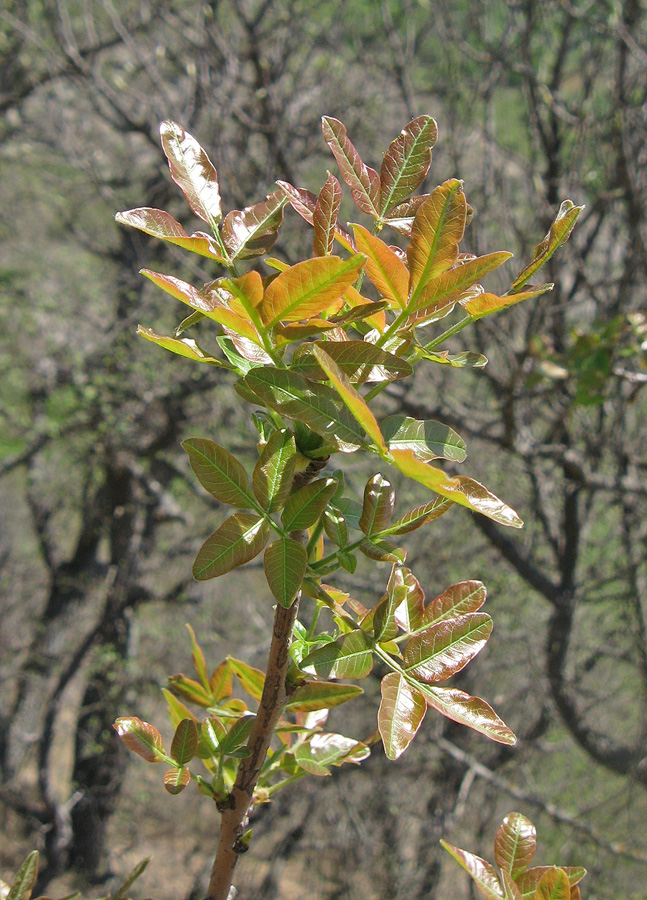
(419, 516)
(185, 742)
(251, 232)
(444, 649)
(377, 319)
(309, 288)
(456, 360)
(510, 889)
(427, 439)
(401, 217)
(176, 709)
(350, 656)
(485, 304)
(186, 347)
(323, 750)
(558, 233)
(483, 874)
(408, 615)
(285, 564)
(406, 162)
(220, 683)
(335, 526)
(304, 202)
(274, 470)
(245, 295)
(400, 714)
(458, 600)
(359, 361)
(436, 232)
(160, 224)
(353, 400)
(219, 473)
(212, 731)
(238, 540)
(364, 182)
(527, 882)
(140, 737)
(193, 171)
(24, 879)
(233, 742)
(315, 695)
(252, 680)
(175, 780)
(385, 269)
(553, 885)
(325, 216)
(377, 509)
(515, 844)
(383, 550)
(190, 690)
(306, 505)
(470, 711)
(317, 405)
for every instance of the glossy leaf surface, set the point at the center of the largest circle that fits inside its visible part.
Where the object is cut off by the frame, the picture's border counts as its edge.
(427, 439)
(142, 738)
(162, 225)
(377, 509)
(238, 540)
(558, 232)
(444, 649)
(193, 171)
(483, 874)
(324, 750)
(419, 516)
(315, 695)
(306, 505)
(251, 232)
(219, 473)
(350, 656)
(185, 742)
(470, 711)
(515, 844)
(274, 470)
(527, 882)
(364, 182)
(359, 361)
(186, 347)
(458, 600)
(436, 232)
(285, 563)
(385, 269)
(175, 780)
(251, 679)
(406, 162)
(485, 304)
(400, 715)
(324, 217)
(409, 614)
(510, 889)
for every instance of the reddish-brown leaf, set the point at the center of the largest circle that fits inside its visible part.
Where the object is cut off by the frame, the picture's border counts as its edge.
(193, 171)
(444, 649)
(457, 600)
(470, 711)
(364, 182)
(436, 232)
(141, 737)
(406, 162)
(515, 844)
(400, 714)
(324, 217)
(252, 231)
(162, 225)
(385, 269)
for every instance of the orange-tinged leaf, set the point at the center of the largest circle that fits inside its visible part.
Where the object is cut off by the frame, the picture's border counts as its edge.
(175, 780)
(385, 269)
(401, 217)
(324, 217)
(527, 882)
(221, 682)
(309, 288)
(193, 171)
(457, 600)
(406, 162)
(251, 232)
(364, 182)
(359, 361)
(436, 232)
(304, 202)
(515, 844)
(444, 649)
(400, 715)
(470, 711)
(162, 225)
(482, 873)
(181, 290)
(316, 695)
(185, 347)
(190, 690)
(353, 400)
(185, 742)
(510, 889)
(238, 540)
(252, 680)
(141, 737)
(553, 885)
(485, 304)
(176, 709)
(377, 319)
(558, 233)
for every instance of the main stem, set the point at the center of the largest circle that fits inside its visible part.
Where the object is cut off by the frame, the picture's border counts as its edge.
(233, 818)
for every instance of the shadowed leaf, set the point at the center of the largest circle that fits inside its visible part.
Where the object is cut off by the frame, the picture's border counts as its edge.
(324, 217)
(359, 361)
(401, 217)
(304, 202)
(427, 439)
(251, 232)
(232, 743)
(285, 564)
(186, 347)
(274, 470)
(558, 233)
(24, 879)
(406, 162)
(175, 780)
(185, 742)
(483, 874)
(324, 750)
(527, 882)
(140, 737)
(470, 711)
(350, 656)
(315, 695)
(238, 540)
(364, 182)
(385, 269)
(400, 714)
(193, 171)
(408, 615)
(377, 509)
(176, 709)
(444, 649)
(219, 473)
(160, 224)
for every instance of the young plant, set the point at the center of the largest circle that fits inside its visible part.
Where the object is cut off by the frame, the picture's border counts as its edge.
(301, 344)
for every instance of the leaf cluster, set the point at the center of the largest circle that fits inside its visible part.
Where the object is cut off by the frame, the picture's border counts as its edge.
(23, 882)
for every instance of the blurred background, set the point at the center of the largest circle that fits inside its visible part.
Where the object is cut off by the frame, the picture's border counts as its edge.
(101, 517)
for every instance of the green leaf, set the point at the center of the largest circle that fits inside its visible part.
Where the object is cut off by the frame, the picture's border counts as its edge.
(324, 217)
(364, 182)
(515, 844)
(252, 680)
(306, 505)
(316, 405)
(359, 361)
(435, 235)
(185, 742)
(323, 750)
(383, 550)
(470, 711)
(458, 600)
(350, 656)
(140, 737)
(456, 360)
(484, 304)
(274, 470)
(236, 737)
(406, 162)
(176, 709)
(251, 232)
(175, 780)
(527, 882)
(24, 879)
(379, 500)
(309, 288)
(219, 473)
(444, 649)
(483, 874)
(400, 714)
(212, 732)
(238, 540)
(558, 233)
(353, 400)
(315, 695)
(419, 516)
(335, 526)
(186, 347)
(193, 172)
(198, 659)
(160, 224)
(190, 690)
(285, 564)
(122, 892)
(553, 885)
(384, 267)
(221, 682)
(427, 439)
